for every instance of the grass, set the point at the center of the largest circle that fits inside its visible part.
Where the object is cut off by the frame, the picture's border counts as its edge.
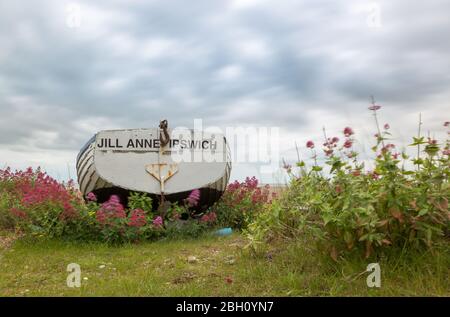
(38, 268)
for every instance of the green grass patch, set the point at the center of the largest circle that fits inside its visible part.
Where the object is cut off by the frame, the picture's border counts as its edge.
(221, 268)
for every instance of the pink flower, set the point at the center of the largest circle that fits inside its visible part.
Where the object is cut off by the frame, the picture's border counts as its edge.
(348, 144)
(110, 210)
(158, 222)
(193, 198)
(387, 126)
(374, 107)
(446, 152)
(447, 123)
(114, 199)
(34, 188)
(137, 218)
(335, 140)
(388, 147)
(310, 145)
(251, 183)
(91, 197)
(348, 131)
(210, 217)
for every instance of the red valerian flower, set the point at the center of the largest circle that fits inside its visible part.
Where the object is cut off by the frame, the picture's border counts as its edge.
(34, 187)
(388, 147)
(335, 140)
(387, 126)
(210, 217)
(348, 132)
(91, 197)
(110, 210)
(348, 144)
(158, 222)
(310, 144)
(137, 218)
(375, 107)
(251, 183)
(446, 152)
(447, 123)
(193, 198)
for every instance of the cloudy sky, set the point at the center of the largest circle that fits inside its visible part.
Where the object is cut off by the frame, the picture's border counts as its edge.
(69, 69)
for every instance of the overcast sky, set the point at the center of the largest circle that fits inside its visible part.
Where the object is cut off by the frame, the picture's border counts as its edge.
(69, 69)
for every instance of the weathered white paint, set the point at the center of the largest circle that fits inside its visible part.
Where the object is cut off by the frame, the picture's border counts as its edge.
(132, 167)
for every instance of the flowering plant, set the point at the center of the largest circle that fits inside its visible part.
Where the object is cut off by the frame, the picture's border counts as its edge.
(352, 209)
(241, 202)
(36, 202)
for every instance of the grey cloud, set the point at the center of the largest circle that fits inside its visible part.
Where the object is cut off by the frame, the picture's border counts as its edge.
(312, 54)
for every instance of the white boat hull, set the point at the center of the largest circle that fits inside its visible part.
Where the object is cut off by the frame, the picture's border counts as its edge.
(121, 161)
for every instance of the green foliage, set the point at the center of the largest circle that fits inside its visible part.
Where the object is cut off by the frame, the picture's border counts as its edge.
(180, 229)
(40, 207)
(138, 200)
(350, 211)
(7, 219)
(240, 203)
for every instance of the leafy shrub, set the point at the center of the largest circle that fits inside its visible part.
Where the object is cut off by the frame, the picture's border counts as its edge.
(36, 202)
(38, 205)
(140, 201)
(353, 210)
(190, 228)
(241, 202)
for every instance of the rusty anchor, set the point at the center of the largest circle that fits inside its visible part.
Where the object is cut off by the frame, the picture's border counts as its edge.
(162, 171)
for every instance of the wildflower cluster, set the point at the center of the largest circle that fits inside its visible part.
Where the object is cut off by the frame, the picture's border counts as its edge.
(210, 217)
(352, 209)
(35, 203)
(193, 198)
(138, 222)
(36, 200)
(110, 211)
(137, 218)
(241, 202)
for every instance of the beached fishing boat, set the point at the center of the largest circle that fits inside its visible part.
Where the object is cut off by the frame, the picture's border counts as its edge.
(167, 164)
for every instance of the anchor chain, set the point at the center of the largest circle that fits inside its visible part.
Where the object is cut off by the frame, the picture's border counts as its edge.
(164, 139)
